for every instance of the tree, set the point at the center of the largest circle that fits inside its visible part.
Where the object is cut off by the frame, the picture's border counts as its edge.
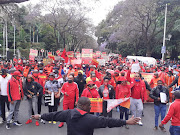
(11, 1)
(139, 24)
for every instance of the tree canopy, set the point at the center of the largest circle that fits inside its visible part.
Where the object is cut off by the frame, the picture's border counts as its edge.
(135, 27)
(11, 1)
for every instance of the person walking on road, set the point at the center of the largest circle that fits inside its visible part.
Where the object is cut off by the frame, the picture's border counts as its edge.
(15, 95)
(159, 107)
(80, 122)
(174, 114)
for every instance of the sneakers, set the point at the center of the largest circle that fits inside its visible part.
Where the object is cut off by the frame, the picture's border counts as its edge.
(155, 128)
(17, 123)
(140, 123)
(163, 129)
(1, 120)
(28, 121)
(42, 121)
(37, 123)
(54, 122)
(126, 126)
(61, 125)
(50, 122)
(8, 126)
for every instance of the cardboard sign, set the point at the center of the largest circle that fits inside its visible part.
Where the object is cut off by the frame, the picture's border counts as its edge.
(33, 53)
(78, 55)
(102, 62)
(76, 62)
(147, 76)
(70, 54)
(135, 67)
(87, 61)
(98, 54)
(87, 53)
(96, 105)
(45, 61)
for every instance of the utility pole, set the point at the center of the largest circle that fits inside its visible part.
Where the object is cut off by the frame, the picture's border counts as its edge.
(14, 38)
(6, 39)
(164, 38)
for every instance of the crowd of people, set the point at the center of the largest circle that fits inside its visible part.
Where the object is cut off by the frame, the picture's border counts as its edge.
(49, 83)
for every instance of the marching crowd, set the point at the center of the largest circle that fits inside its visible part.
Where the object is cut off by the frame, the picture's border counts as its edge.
(36, 81)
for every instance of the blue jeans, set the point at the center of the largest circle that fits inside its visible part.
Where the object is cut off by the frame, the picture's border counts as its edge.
(161, 108)
(174, 130)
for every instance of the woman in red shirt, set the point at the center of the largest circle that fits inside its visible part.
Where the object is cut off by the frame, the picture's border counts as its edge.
(123, 90)
(106, 92)
(90, 91)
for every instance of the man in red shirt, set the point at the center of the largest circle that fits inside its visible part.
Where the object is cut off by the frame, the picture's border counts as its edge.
(71, 92)
(138, 94)
(15, 95)
(174, 113)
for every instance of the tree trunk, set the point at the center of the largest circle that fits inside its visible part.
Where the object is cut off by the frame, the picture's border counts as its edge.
(55, 35)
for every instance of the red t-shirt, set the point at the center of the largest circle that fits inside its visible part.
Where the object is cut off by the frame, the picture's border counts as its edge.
(105, 93)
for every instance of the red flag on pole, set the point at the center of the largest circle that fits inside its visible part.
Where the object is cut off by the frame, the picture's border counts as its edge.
(64, 56)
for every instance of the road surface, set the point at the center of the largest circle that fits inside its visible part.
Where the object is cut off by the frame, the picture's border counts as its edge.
(50, 129)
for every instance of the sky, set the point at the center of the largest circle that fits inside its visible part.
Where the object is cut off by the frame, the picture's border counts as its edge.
(101, 9)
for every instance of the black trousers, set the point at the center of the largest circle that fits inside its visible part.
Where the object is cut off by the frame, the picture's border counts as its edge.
(123, 111)
(3, 100)
(55, 107)
(105, 114)
(39, 103)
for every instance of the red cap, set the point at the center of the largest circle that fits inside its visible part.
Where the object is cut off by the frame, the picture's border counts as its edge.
(90, 82)
(17, 73)
(122, 79)
(116, 71)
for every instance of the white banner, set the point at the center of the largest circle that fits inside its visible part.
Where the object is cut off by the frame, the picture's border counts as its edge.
(112, 103)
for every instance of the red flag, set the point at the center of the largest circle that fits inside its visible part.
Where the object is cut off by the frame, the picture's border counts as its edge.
(64, 56)
(58, 52)
(95, 62)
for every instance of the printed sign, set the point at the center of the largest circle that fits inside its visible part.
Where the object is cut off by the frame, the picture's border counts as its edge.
(96, 105)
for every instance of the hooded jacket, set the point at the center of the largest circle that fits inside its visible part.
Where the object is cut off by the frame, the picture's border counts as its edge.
(80, 122)
(14, 90)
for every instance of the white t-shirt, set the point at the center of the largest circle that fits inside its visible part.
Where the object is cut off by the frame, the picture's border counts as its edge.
(3, 84)
(60, 81)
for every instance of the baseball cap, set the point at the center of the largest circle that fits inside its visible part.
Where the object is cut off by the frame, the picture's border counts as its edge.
(17, 73)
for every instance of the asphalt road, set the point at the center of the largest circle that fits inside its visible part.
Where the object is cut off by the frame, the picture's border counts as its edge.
(50, 129)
